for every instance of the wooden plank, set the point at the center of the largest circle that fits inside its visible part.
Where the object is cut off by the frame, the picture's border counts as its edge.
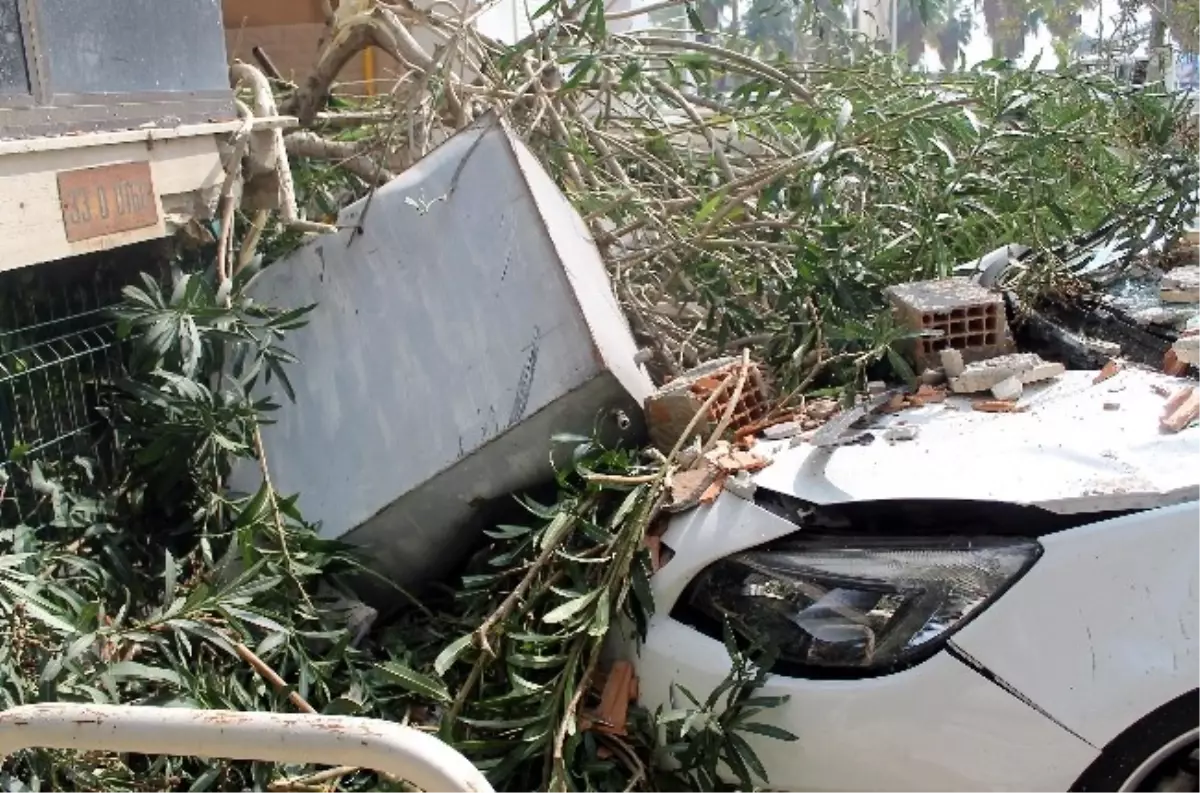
(107, 199)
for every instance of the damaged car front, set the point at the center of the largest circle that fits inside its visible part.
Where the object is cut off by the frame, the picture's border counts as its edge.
(995, 602)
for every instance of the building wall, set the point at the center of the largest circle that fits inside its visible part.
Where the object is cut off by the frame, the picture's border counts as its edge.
(290, 33)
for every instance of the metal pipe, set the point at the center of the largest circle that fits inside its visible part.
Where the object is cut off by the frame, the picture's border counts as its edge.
(369, 70)
(383, 746)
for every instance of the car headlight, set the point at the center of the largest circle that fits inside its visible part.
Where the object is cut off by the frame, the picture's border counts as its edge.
(859, 607)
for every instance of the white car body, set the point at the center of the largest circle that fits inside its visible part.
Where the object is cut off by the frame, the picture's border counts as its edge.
(1098, 633)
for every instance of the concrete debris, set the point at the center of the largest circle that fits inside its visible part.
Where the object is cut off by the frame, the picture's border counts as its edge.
(932, 377)
(1112, 405)
(809, 416)
(690, 454)
(729, 460)
(1008, 390)
(802, 438)
(710, 474)
(1181, 285)
(901, 432)
(779, 432)
(1187, 348)
(952, 313)
(1026, 367)
(741, 485)
(1181, 409)
(1167, 316)
(952, 363)
(876, 387)
(1109, 348)
(1058, 448)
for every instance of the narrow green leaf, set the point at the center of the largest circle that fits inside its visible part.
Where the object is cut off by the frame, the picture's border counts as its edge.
(569, 609)
(601, 616)
(206, 779)
(425, 686)
(132, 669)
(450, 655)
(769, 730)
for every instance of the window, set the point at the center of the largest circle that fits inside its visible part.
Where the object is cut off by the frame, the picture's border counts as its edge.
(111, 64)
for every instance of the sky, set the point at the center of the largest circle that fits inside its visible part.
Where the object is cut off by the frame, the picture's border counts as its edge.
(498, 22)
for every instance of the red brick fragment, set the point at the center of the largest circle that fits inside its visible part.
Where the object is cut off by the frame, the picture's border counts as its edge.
(1182, 412)
(1110, 369)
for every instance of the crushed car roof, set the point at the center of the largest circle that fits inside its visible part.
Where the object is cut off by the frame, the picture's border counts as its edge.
(1076, 445)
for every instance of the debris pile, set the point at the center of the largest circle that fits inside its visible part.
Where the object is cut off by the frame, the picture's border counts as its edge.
(1181, 285)
(1003, 372)
(736, 203)
(670, 409)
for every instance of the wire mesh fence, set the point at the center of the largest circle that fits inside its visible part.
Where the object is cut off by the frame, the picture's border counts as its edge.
(58, 350)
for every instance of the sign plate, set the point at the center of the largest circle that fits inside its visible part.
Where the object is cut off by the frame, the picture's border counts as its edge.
(106, 200)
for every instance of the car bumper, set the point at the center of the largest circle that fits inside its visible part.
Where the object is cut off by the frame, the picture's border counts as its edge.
(937, 726)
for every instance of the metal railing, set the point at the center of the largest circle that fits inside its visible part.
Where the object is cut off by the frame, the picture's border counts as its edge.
(382, 746)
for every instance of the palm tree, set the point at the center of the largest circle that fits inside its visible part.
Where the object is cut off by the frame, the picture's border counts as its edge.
(944, 26)
(772, 24)
(1007, 23)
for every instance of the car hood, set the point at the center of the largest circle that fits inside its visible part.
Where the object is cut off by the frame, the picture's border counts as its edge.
(1078, 446)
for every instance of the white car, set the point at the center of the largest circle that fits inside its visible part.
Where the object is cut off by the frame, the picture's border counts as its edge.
(1003, 602)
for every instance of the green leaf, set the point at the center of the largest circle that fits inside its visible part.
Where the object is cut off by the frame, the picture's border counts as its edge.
(527, 661)
(559, 525)
(747, 755)
(769, 730)
(627, 505)
(709, 207)
(901, 366)
(170, 579)
(342, 707)
(600, 616)
(503, 724)
(132, 669)
(507, 532)
(843, 117)
(425, 686)
(569, 609)
(450, 655)
(255, 510)
(206, 779)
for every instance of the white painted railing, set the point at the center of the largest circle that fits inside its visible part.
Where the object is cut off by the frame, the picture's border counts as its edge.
(378, 745)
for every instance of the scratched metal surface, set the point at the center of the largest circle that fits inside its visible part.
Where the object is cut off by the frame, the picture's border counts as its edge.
(452, 338)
